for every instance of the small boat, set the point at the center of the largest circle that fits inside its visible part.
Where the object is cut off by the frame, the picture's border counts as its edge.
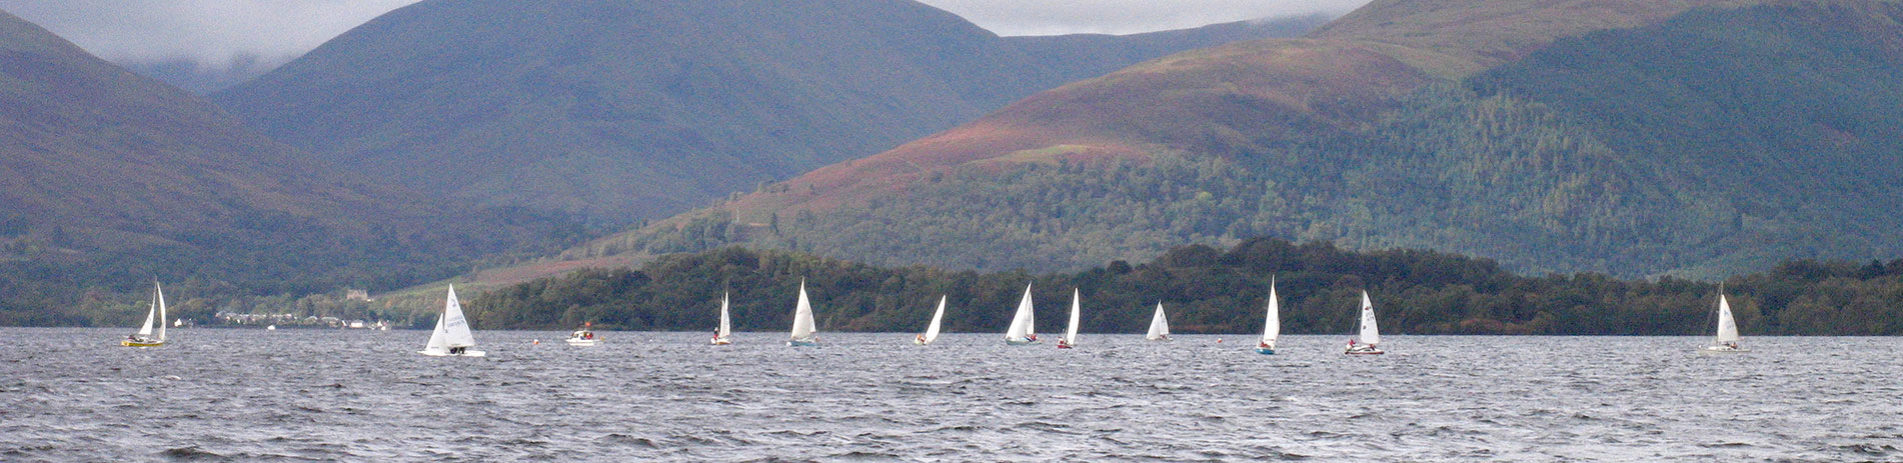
(451, 337)
(271, 328)
(1271, 324)
(1159, 325)
(1070, 333)
(1023, 325)
(1727, 339)
(145, 336)
(1369, 343)
(583, 337)
(804, 333)
(723, 334)
(931, 331)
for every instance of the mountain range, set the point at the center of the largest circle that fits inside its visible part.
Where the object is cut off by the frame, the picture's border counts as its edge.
(110, 180)
(1699, 138)
(623, 111)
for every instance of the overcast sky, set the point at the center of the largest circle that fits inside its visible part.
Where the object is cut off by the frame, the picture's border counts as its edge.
(217, 33)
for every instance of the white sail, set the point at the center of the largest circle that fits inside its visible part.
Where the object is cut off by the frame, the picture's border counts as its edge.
(803, 328)
(438, 340)
(1370, 334)
(160, 291)
(153, 311)
(726, 325)
(455, 326)
(1272, 322)
(1022, 329)
(931, 331)
(1076, 308)
(1159, 325)
(1727, 326)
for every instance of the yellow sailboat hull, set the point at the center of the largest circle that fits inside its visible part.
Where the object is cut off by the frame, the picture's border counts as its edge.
(141, 344)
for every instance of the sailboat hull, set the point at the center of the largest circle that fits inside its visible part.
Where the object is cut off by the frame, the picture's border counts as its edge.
(1365, 352)
(799, 343)
(1265, 350)
(582, 342)
(1020, 342)
(1062, 344)
(1721, 350)
(721, 341)
(141, 344)
(441, 353)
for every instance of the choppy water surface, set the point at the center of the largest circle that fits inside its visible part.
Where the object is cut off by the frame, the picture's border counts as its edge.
(72, 394)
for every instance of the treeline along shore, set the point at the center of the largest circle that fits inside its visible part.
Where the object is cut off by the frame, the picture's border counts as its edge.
(1206, 290)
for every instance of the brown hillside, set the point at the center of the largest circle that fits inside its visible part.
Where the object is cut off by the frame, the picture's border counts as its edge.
(1217, 101)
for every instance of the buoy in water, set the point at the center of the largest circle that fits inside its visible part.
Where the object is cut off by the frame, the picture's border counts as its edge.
(535, 342)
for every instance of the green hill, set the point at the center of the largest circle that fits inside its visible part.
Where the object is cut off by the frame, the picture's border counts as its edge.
(109, 180)
(623, 111)
(1204, 290)
(1632, 138)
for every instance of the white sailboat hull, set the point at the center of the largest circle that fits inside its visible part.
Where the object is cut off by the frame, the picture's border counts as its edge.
(582, 342)
(1719, 350)
(722, 341)
(444, 353)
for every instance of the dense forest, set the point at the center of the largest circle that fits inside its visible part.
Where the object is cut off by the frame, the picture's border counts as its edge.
(1206, 290)
(1523, 185)
(1720, 142)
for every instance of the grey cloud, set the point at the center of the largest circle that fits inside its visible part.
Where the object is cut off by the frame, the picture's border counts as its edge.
(223, 34)
(1050, 17)
(216, 34)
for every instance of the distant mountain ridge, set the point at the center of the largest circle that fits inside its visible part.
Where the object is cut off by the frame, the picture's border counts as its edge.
(1427, 124)
(625, 110)
(109, 180)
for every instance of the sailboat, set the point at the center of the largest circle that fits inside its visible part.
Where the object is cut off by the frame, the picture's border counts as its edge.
(1023, 325)
(1727, 339)
(723, 334)
(583, 337)
(1369, 343)
(1070, 333)
(452, 337)
(1271, 324)
(931, 331)
(804, 334)
(1159, 325)
(145, 337)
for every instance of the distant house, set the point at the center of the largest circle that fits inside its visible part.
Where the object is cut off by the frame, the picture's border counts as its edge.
(357, 295)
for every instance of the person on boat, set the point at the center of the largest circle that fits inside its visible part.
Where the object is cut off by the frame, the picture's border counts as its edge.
(456, 351)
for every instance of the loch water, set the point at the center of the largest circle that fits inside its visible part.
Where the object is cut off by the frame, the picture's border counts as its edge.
(331, 395)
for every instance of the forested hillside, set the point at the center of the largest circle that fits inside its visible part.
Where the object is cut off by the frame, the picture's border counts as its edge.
(1680, 147)
(1205, 290)
(622, 111)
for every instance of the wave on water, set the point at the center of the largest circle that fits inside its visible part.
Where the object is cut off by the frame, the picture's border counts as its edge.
(355, 396)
